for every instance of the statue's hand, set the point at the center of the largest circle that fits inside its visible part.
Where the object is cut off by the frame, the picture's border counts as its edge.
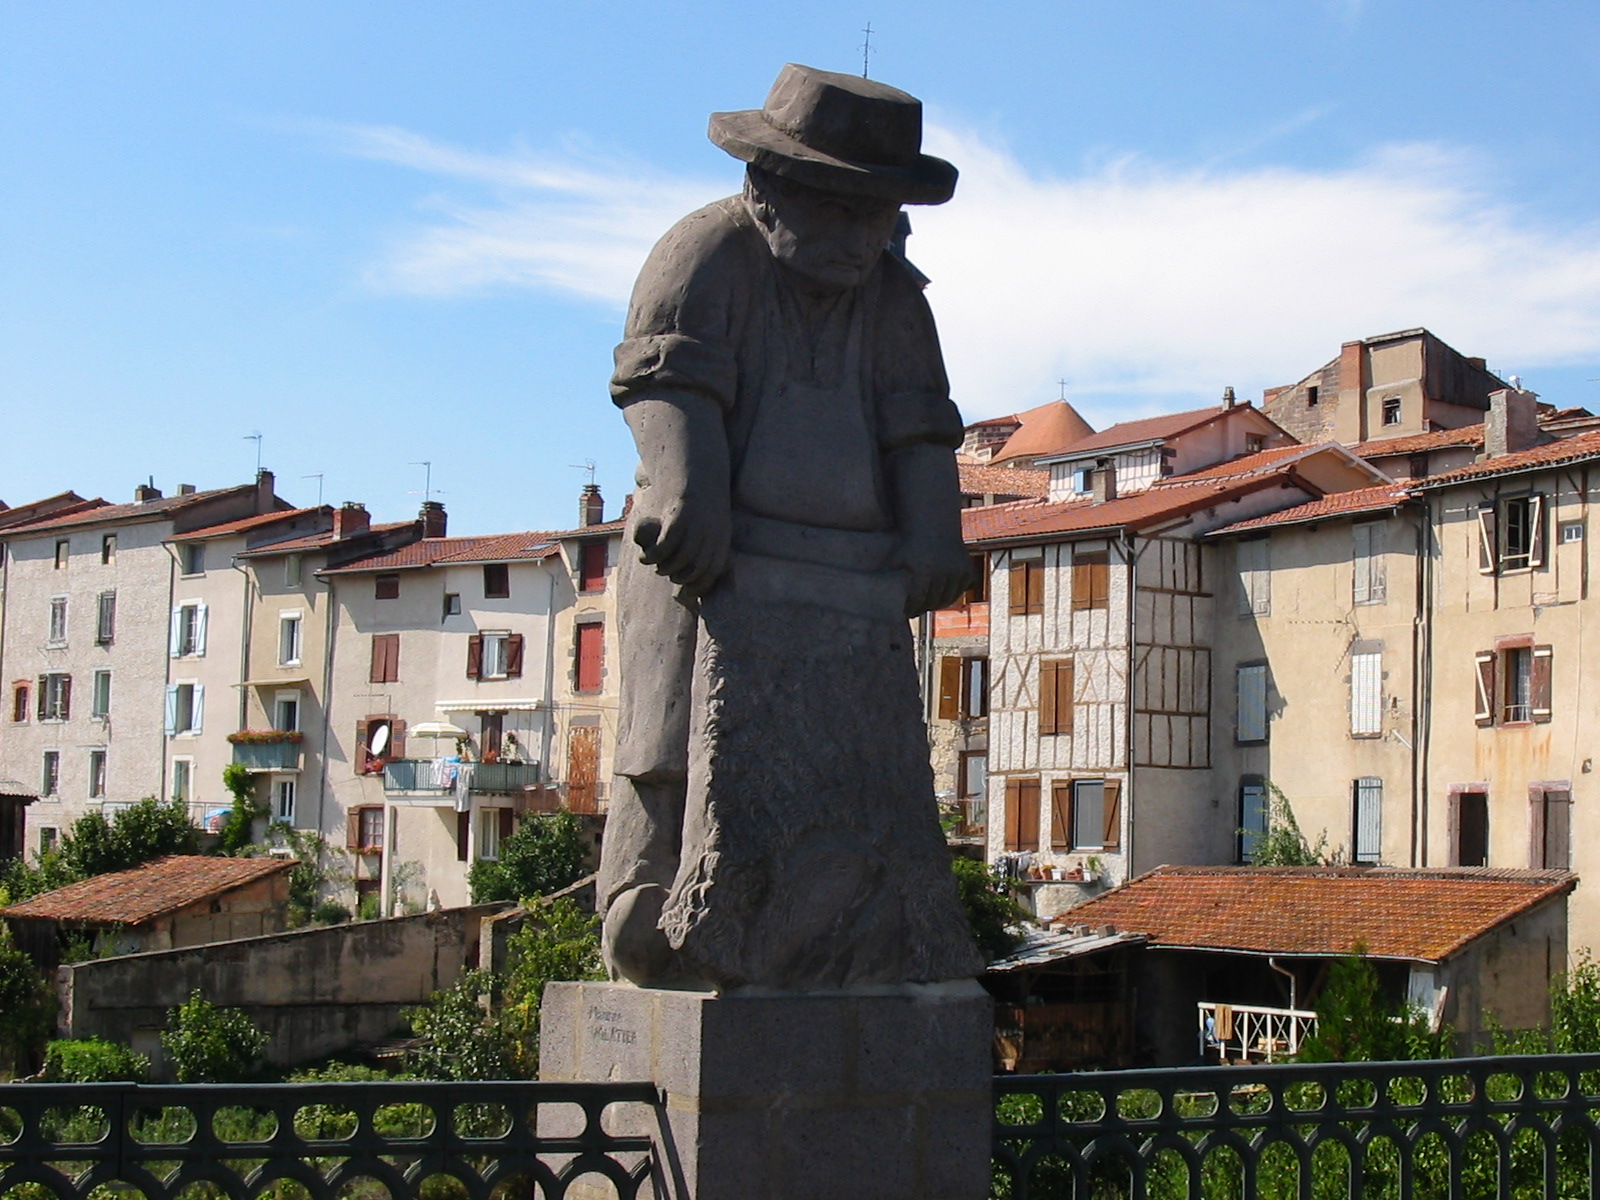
(939, 571)
(685, 537)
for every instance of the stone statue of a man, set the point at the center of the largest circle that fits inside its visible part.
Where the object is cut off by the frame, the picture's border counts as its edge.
(772, 820)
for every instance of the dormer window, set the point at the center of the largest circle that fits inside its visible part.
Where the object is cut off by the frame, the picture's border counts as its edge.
(1083, 480)
(1391, 411)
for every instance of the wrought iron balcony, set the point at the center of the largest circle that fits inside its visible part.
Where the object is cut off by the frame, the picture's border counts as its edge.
(503, 778)
(267, 756)
(422, 776)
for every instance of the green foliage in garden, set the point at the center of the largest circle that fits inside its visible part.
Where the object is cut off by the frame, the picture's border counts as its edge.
(561, 941)
(544, 855)
(247, 808)
(1283, 845)
(93, 1060)
(207, 1044)
(1356, 1022)
(990, 910)
(27, 1008)
(461, 1037)
(142, 832)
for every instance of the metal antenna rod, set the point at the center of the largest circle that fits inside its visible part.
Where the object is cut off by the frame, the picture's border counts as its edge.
(586, 465)
(866, 49)
(318, 478)
(256, 438)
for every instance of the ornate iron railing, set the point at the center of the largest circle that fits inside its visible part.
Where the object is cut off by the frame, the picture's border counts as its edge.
(1464, 1128)
(442, 1141)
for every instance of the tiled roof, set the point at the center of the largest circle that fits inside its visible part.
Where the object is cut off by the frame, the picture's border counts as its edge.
(102, 511)
(243, 524)
(495, 547)
(1425, 915)
(317, 541)
(507, 547)
(1552, 454)
(140, 895)
(1418, 443)
(422, 553)
(1167, 501)
(1251, 464)
(1048, 429)
(1329, 507)
(983, 480)
(60, 505)
(1149, 429)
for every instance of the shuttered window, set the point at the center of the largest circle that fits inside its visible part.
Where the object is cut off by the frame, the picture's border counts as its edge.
(1022, 814)
(1366, 695)
(1511, 535)
(1091, 580)
(1112, 839)
(1027, 586)
(590, 653)
(1539, 684)
(592, 567)
(1253, 814)
(105, 625)
(949, 687)
(1255, 578)
(385, 658)
(386, 587)
(1367, 820)
(1057, 691)
(1550, 833)
(1088, 814)
(1061, 816)
(496, 581)
(1371, 582)
(1251, 691)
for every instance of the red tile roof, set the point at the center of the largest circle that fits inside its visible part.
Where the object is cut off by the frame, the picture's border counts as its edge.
(317, 541)
(980, 479)
(244, 524)
(1418, 443)
(1330, 507)
(1552, 454)
(1150, 429)
(60, 505)
(507, 547)
(140, 895)
(1048, 429)
(1166, 501)
(530, 546)
(101, 511)
(1425, 915)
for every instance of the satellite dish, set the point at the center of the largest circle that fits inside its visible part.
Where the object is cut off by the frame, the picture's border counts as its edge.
(380, 741)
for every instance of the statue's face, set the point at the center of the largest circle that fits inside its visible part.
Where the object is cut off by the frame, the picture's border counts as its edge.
(830, 238)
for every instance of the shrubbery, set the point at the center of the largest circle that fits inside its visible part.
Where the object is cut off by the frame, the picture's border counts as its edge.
(544, 855)
(93, 1060)
(207, 1044)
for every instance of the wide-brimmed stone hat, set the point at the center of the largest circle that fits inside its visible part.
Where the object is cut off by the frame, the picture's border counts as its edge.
(840, 133)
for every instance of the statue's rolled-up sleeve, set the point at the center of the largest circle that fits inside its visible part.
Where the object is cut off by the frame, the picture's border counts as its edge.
(655, 362)
(907, 418)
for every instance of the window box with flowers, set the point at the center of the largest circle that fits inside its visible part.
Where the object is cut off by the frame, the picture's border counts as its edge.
(262, 737)
(267, 749)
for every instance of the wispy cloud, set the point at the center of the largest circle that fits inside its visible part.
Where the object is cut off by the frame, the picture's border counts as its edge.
(1132, 280)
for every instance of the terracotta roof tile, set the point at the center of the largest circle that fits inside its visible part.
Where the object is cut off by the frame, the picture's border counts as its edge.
(424, 552)
(1572, 449)
(1168, 501)
(140, 895)
(1250, 464)
(1337, 504)
(1397, 913)
(1149, 429)
(1048, 429)
(243, 524)
(102, 511)
(984, 480)
(1418, 443)
(316, 541)
(507, 546)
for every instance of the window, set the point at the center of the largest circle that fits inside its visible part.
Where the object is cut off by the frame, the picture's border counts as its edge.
(385, 658)
(19, 703)
(1469, 834)
(452, 605)
(499, 655)
(1091, 580)
(1391, 410)
(978, 590)
(592, 567)
(286, 712)
(1250, 687)
(1022, 814)
(1371, 582)
(291, 570)
(1550, 831)
(188, 636)
(1367, 820)
(283, 800)
(105, 619)
(1255, 578)
(972, 778)
(55, 697)
(97, 774)
(494, 654)
(50, 774)
(58, 620)
(289, 639)
(494, 826)
(378, 739)
(1366, 695)
(1570, 531)
(182, 779)
(100, 695)
(1312, 395)
(193, 557)
(1057, 695)
(366, 832)
(63, 552)
(1513, 684)
(591, 656)
(1253, 816)
(963, 687)
(1086, 814)
(1027, 584)
(496, 581)
(386, 587)
(1254, 443)
(108, 549)
(1511, 534)
(185, 707)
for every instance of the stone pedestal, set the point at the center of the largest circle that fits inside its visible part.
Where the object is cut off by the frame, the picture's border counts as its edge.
(872, 1094)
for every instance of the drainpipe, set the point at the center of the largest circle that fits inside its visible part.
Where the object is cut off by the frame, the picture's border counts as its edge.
(547, 732)
(1289, 975)
(244, 644)
(1129, 804)
(1422, 688)
(327, 706)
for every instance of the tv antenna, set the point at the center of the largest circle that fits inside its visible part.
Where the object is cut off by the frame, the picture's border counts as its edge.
(256, 438)
(866, 49)
(427, 492)
(318, 478)
(586, 465)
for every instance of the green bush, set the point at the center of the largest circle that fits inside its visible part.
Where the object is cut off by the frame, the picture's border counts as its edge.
(991, 911)
(461, 1039)
(20, 881)
(92, 1060)
(240, 782)
(142, 832)
(27, 1007)
(207, 1044)
(330, 912)
(559, 942)
(544, 855)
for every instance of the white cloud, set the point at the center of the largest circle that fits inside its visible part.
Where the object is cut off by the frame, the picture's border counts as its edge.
(1138, 284)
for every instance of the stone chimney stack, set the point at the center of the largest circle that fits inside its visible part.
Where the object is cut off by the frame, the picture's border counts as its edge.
(1228, 400)
(146, 492)
(350, 519)
(433, 519)
(266, 488)
(591, 506)
(1512, 422)
(1103, 481)
(186, 489)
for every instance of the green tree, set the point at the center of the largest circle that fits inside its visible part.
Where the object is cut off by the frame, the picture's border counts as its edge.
(21, 880)
(461, 1037)
(27, 1008)
(1283, 845)
(93, 1060)
(1357, 1022)
(992, 913)
(142, 832)
(247, 809)
(561, 941)
(207, 1044)
(544, 855)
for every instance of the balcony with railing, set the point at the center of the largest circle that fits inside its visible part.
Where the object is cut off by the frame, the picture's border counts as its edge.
(266, 749)
(1241, 1033)
(503, 778)
(440, 777)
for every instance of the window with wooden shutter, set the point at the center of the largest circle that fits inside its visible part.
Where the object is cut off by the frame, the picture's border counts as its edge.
(508, 823)
(590, 656)
(1250, 687)
(1539, 684)
(513, 663)
(1367, 820)
(1112, 839)
(1056, 693)
(496, 581)
(1088, 814)
(1022, 814)
(19, 703)
(1371, 581)
(583, 769)
(106, 619)
(386, 587)
(475, 656)
(592, 567)
(950, 687)
(352, 829)
(1366, 695)
(1550, 833)
(1061, 816)
(385, 658)
(1027, 586)
(1255, 578)
(463, 832)
(1485, 679)
(1091, 580)
(1254, 812)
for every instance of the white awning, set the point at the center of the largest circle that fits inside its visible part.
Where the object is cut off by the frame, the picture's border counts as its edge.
(284, 683)
(489, 705)
(436, 729)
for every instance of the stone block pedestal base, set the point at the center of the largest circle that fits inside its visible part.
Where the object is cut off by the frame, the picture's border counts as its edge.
(875, 1094)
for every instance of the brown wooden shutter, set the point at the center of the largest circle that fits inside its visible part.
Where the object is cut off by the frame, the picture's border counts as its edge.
(591, 652)
(1557, 808)
(1036, 585)
(949, 687)
(352, 825)
(1112, 838)
(361, 760)
(507, 824)
(463, 831)
(583, 769)
(1100, 582)
(475, 656)
(1028, 813)
(1013, 814)
(385, 658)
(397, 739)
(41, 697)
(1048, 715)
(66, 698)
(514, 656)
(1019, 588)
(1081, 586)
(1484, 712)
(1539, 689)
(1066, 676)
(1061, 816)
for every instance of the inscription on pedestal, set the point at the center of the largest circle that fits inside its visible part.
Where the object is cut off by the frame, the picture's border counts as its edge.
(608, 1025)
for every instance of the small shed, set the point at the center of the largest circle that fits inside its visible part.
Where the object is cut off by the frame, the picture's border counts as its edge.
(180, 900)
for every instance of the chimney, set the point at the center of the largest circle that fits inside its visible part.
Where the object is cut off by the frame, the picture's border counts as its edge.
(1512, 422)
(433, 519)
(1227, 397)
(186, 489)
(266, 484)
(591, 507)
(146, 492)
(350, 519)
(1103, 481)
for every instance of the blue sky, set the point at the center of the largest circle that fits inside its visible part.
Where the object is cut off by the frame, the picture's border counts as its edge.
(380, 233)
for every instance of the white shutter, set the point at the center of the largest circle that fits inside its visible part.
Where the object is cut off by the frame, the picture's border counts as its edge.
(1369, 820)
(1252, 696)
(1363, 563)
(199, 707)
(172, 709)
(1255, 586)
(200, 629)
(1487, 556)
(174, 638)
(1366, 694)
(1536, 530)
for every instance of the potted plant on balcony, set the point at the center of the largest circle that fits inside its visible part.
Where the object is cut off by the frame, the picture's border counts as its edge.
(263, 737)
